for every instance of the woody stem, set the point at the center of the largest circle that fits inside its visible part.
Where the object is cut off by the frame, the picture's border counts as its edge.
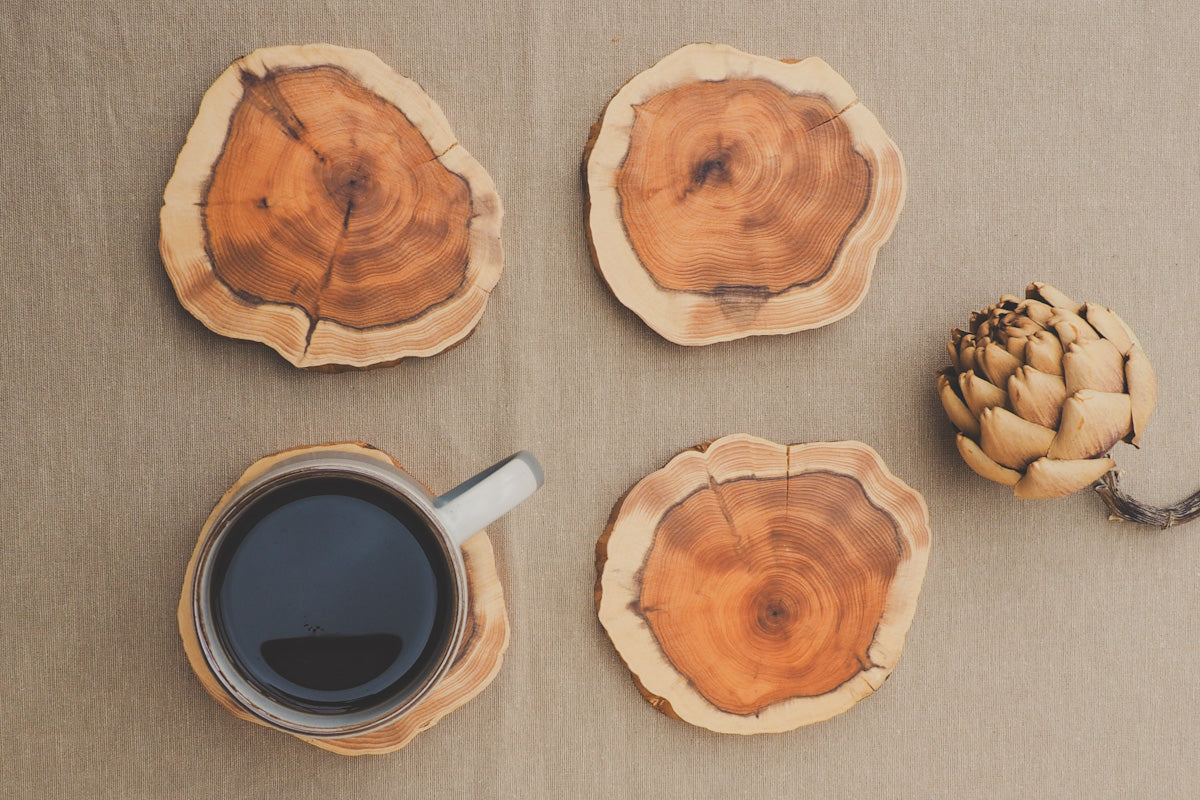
(1125, 507)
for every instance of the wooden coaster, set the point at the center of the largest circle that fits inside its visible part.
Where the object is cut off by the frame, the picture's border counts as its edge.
(753, 587)
(323, 206)
(478, 663)
(734, 195)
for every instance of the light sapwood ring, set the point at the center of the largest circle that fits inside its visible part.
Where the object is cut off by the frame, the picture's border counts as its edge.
(752, 587)
(322, 205)
(733, 195)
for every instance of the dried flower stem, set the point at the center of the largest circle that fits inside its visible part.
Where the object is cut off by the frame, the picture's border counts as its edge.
(1125, 507)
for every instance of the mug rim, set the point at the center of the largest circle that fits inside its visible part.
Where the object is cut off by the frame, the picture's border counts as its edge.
(222, 665)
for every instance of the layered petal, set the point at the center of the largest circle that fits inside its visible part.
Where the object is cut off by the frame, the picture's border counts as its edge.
(998, 364)
(1046, 478)
(1036, 396)
(978, 460)
(952, 350)
(1094, 364)
(1014, 342)
(981, 344)
(955, 408)
(1010, 440)
(979, 394)
(1044, 353)
(1051, 296)
(1109, 325)
(966, 352)
(1071, 327)
(1036, 311)
(1092, 422)
(1025, 325)
(1143, 390)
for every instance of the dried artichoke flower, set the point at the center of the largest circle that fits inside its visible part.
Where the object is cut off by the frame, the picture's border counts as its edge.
(1042, 388)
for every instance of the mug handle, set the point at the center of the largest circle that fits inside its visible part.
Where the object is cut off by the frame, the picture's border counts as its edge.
(477, 502)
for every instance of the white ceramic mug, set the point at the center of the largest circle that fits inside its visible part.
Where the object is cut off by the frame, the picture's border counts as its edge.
(448, 521)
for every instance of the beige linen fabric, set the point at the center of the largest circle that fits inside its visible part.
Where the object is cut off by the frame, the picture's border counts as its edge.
(1052, 651)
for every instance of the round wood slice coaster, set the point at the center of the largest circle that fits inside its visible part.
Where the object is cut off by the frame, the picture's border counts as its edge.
(733, 195)
(322, 206)
(753, 587)
(478, 663)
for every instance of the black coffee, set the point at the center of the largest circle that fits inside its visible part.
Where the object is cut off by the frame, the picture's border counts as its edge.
(331, 594)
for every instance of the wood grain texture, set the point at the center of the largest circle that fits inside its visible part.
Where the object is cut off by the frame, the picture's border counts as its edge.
(733, 195)
(753, 587)
(480, 656)
(322, 205)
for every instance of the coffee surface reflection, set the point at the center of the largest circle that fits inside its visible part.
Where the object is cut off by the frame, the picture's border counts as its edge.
(330, 594)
